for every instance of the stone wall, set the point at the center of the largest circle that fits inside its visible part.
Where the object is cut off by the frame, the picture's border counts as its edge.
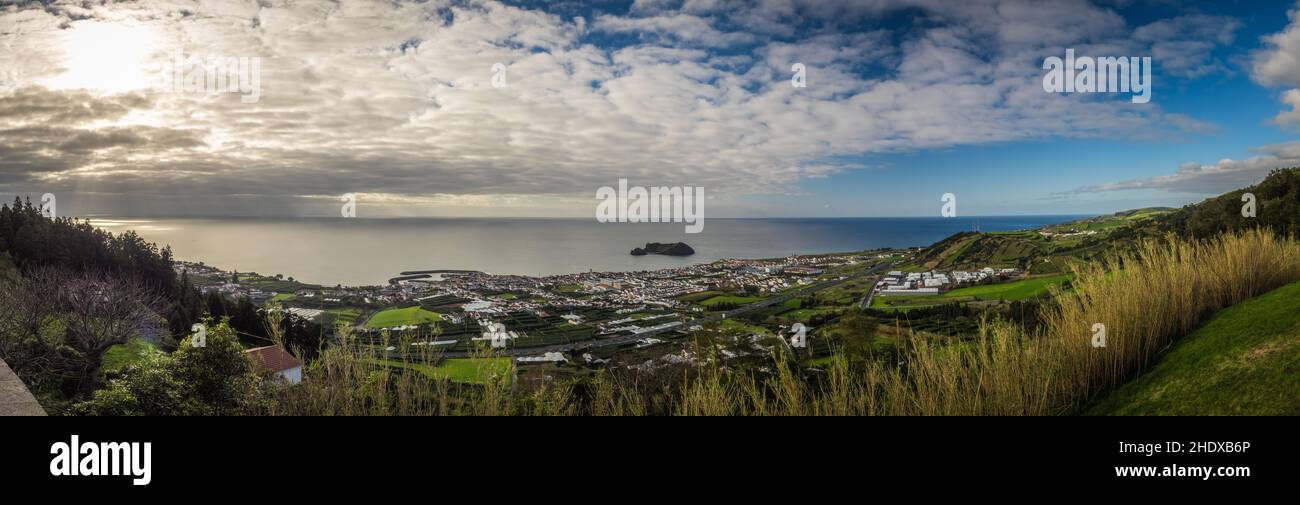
(15, 399)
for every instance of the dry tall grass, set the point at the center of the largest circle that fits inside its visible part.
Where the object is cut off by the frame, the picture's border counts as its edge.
(1145, 298)
(355, 379)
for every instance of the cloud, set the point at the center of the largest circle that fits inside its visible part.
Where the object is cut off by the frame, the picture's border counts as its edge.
(1220, 177)
(395, 99)
(673, 28)
(1277, 64)
(1291, 117)
(1183, 46)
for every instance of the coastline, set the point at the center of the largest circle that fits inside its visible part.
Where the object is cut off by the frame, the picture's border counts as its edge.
(347, 252)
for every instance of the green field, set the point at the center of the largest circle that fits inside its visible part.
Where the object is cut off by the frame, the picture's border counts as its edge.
(401, 317)
(347, 315)
(884, 302)
(1244, 361)
(738, 300)
(741, 326)
(1010, 291)
(805, 314)
(465, 370)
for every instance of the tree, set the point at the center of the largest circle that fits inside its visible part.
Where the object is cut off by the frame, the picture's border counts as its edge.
(246, 319)
(96, 311)
(216, 379)
(74, 291)
(71, 319)
(28, 333)
(187, 309)
(220, 373)
(148, 388)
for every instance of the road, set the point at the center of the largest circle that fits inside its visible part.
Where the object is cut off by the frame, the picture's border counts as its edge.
(866, 299)
(712, 318)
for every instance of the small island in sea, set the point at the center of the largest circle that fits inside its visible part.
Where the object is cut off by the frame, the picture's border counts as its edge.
(673, 249)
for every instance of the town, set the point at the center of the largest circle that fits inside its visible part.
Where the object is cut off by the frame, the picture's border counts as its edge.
(641, 319)
(466, 307)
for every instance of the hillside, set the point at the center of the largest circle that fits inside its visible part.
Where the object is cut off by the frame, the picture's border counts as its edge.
(1244, 361)
(1277, 208)
(1050, 249)
(1054, 248)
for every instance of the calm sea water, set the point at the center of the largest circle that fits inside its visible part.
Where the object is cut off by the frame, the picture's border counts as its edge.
(370, 251)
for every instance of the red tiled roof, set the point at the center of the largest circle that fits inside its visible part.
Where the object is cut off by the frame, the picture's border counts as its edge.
(272, 359)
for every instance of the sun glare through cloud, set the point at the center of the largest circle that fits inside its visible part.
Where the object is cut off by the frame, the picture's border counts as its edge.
(105, 57)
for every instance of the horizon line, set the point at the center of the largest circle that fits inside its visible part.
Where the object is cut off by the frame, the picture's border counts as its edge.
(574, 218)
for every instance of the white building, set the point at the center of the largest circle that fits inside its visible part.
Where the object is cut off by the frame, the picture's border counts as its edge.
(276, 362)
(904, 291)
(550, 357)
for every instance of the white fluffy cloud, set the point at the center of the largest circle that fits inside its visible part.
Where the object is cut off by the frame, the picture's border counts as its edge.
(395, 99)
(1278, 65)
(1291, 117)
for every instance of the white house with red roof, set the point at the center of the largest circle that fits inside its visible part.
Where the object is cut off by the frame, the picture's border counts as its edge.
(277, 362)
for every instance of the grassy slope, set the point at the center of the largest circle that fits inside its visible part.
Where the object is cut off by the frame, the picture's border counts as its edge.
(1245, 361)
(1029, 249)
(1016, 290)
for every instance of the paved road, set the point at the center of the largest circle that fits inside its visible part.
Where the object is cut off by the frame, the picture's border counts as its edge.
(866, 299)
(627, 339)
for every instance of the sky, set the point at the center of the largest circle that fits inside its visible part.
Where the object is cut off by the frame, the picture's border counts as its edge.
(469, 108)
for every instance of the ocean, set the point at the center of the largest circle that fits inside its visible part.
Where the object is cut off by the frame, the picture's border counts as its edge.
(355, 252)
